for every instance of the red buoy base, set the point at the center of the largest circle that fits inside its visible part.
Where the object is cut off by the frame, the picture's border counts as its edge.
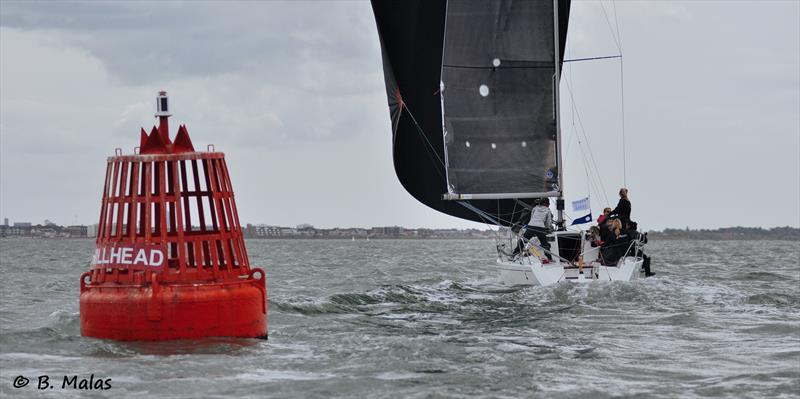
(154, 312)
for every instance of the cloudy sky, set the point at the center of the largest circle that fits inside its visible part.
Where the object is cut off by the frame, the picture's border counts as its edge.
(293, 93)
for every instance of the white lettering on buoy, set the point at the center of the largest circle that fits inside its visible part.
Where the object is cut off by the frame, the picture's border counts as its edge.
(125, 259)
(115, 255)
(160, 254)
(141, 258)
(129, 257)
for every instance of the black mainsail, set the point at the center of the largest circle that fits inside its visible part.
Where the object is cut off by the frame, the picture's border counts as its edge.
(471, 90)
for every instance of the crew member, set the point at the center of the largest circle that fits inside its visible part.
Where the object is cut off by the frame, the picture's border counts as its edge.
(623, 209)
(540, 225)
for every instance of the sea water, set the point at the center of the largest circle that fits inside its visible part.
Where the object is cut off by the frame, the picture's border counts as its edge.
(429, 318)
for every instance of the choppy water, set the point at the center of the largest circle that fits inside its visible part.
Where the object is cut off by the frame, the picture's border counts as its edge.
(429, 319)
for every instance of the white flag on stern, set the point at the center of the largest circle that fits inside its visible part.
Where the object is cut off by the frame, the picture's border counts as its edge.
(580, 205)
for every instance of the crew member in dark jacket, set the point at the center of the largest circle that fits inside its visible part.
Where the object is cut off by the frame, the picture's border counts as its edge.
(616, 245)
(623, 209)
(607, 230)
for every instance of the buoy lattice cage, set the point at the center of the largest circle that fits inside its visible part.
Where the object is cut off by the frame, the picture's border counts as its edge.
(182, 202)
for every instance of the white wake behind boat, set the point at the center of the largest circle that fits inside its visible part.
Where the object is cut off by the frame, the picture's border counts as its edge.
(574, 260)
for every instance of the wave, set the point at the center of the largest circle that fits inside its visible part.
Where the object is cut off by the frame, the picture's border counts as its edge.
(773, 298)
(760, 276)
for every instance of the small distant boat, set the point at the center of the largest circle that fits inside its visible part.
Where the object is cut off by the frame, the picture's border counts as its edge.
(473, 93)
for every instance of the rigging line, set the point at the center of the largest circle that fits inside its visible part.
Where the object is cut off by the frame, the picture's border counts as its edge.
(572, 113)
(590, 184)
(575, 135)
(572, 106)
(485, 221)
(422, 133)
(610, 28)
(589, 178)
(622, 110)
(485, 214)
(589, 181)
(591, 155)
(622, 94)
(513, 210)
(616, 21)
(586, 139)
(593, 58)
(430, 146)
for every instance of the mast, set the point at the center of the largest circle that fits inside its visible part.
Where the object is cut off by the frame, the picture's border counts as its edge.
(557, 109)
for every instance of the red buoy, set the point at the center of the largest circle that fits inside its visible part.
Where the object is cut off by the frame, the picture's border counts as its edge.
(170, 261)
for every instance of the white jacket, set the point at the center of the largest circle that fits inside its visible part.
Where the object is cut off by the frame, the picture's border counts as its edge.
(541, 217)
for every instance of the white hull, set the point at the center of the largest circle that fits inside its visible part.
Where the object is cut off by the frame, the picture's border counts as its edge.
(530, 270)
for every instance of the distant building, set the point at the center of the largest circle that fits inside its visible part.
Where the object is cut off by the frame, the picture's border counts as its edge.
(77, 231)
(22, 224)
(16, 230)
(288, 231)
(447, 233)
(5, 222)
(264, 231)
(391, 231)
(91, 230)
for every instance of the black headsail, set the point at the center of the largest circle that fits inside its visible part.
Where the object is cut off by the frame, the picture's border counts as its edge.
(477, 48)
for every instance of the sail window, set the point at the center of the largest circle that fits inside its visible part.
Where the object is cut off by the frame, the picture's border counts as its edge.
(484, 90)
(496, 62)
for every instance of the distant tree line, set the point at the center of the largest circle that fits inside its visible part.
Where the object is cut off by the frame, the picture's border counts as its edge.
(729, 233)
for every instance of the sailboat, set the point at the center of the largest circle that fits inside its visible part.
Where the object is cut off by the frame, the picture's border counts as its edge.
(473, 93)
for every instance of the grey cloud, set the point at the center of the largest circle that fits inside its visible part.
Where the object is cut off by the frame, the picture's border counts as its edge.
(140, 42)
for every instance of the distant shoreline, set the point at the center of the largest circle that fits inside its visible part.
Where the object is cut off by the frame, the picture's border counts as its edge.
(308, 232)
(653, 236)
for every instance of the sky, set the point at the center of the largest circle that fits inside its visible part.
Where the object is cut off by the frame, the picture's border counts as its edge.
(293, 93)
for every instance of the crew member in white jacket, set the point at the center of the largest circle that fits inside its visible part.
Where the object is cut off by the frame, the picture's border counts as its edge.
(540, 225)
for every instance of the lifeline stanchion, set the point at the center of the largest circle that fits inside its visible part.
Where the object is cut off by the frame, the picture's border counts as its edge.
(170, 261)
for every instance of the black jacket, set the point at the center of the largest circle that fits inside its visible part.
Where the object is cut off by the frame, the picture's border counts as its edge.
(616, 248)
(623, 211)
